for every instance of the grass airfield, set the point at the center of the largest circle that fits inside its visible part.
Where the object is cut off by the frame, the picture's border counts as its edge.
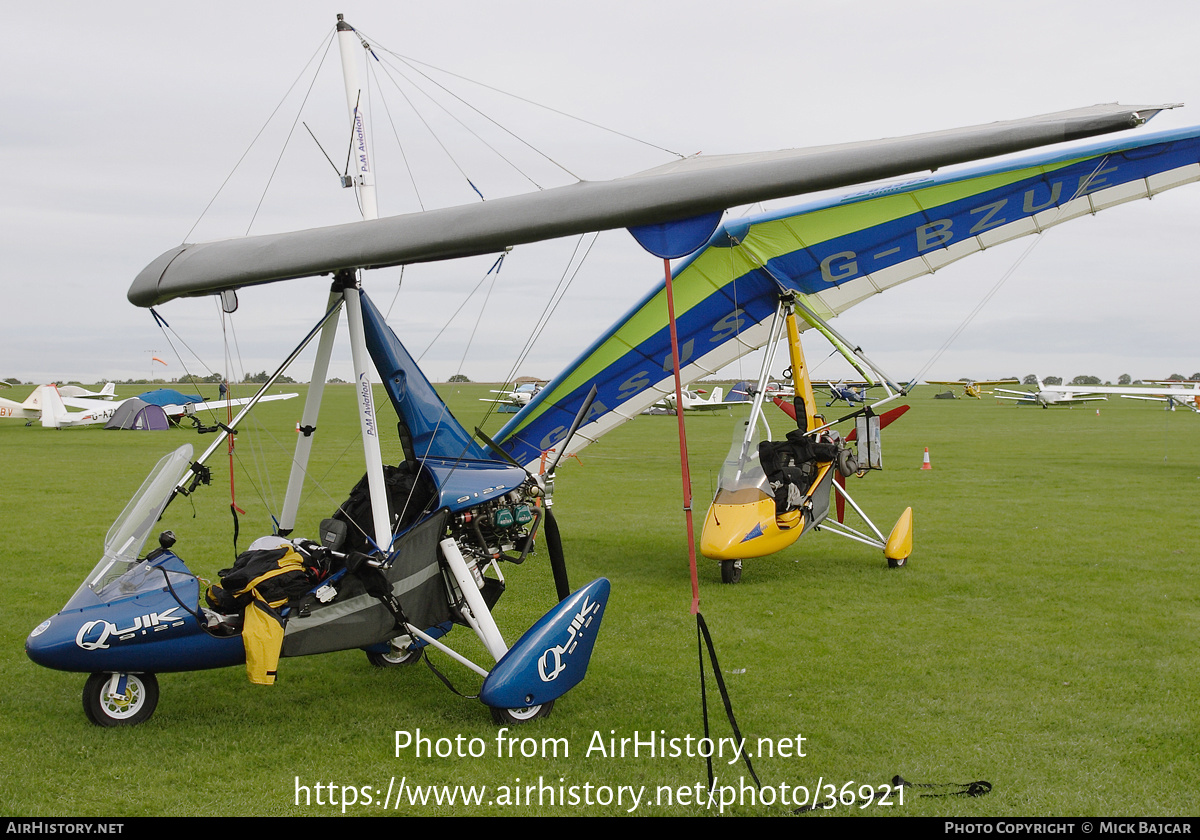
(1042, 637)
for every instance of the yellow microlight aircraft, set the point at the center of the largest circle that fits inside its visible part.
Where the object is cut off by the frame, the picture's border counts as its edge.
(770, 493)
(974, 387)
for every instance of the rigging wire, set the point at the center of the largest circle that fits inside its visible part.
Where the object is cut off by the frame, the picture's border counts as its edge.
(231, 441)
(565, 280)
(466, 300)
(410, 61)
(449, 156)
(499, 264)
(476, 134)
(489, 119)
(167, 331)
(396, 295)
(328, 42)
(322, 148)
(412, 179)
(279, 159)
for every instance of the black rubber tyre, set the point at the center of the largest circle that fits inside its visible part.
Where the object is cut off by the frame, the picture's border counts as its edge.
(135, 706)
(515, 717)
(731, 571)
(394, 658)
(897, 564)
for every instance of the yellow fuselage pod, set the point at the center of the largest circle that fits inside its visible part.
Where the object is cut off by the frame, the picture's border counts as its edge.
(742, 524)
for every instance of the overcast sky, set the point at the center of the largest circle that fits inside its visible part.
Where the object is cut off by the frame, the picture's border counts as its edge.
(122, 121)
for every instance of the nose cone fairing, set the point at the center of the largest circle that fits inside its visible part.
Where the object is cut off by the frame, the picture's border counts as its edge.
(150, 631)
(742, 524)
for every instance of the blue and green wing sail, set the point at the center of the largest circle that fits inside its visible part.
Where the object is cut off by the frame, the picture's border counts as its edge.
(834, 253)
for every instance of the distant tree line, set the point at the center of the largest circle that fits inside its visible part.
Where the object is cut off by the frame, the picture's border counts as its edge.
(1123, 379)
(263, 376)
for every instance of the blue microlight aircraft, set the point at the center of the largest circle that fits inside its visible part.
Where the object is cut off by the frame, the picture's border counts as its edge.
(417, 548)
(396, 573)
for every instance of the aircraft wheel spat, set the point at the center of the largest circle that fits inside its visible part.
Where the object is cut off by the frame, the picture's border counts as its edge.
(900, 541)
(549, 660)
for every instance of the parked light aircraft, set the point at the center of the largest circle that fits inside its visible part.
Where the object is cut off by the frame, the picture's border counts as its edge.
(28, 409)
(75, 391)
(841, 391)
(694, 400)
(1172, 395)
(1179, 393)
(1048, 395)
(731, 291)
(31, 407)
(516, 398)
(47, 404)
(973, 387)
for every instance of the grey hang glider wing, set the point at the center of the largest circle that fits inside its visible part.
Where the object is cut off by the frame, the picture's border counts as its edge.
(677, 191)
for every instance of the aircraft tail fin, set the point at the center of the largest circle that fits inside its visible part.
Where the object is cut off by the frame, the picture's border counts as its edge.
(34, 400)
(54, 411)
(109, 390)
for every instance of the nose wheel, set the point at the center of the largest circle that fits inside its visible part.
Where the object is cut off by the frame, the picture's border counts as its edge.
(120, 699)
(731, 571)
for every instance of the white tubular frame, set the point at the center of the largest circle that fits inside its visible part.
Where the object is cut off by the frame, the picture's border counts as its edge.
(312, 411)
(364, 178)
(368, 422)
(475, 611)
(844, 530)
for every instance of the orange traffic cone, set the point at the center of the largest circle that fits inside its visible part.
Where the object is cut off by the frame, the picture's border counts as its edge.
(925, 465)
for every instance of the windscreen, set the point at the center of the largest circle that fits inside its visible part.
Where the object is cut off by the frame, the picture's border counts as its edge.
(129, 532)
(742, 478)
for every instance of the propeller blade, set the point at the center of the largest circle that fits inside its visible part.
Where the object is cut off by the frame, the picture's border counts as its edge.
(840, 500)
(558, 564)
(885, 420)
(582, 413)
(495, 447)
(788, 408)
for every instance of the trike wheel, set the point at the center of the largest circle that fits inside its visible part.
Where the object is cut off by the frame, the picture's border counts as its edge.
(518, 716)
(731, 571)
(135, 705)
(394, 657)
